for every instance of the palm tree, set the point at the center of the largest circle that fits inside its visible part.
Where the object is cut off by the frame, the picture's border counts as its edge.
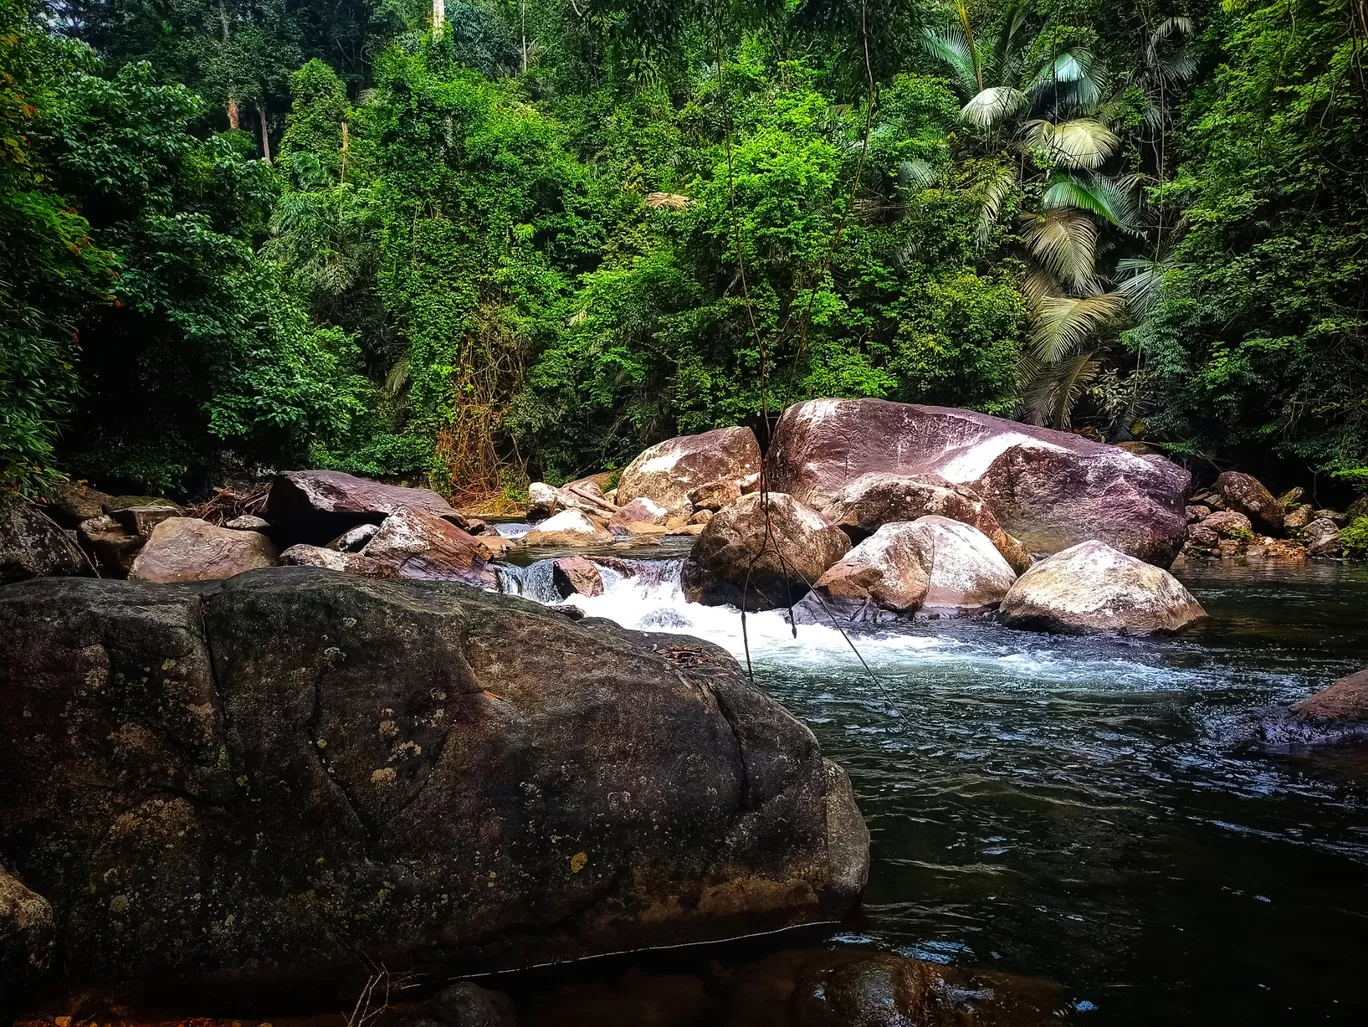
(1033, 106)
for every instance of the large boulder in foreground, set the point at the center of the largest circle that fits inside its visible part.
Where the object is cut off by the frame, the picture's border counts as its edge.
(440, 778)
(316, 506)
(875, 499)
(762, 553)
(32, 545)
(668, 471)
(189, 549)
(1049, 489)
(1245, 494)
(1091, 588)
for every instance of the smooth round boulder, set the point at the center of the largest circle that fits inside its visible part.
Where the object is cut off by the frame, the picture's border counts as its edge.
(668, 471)
(967, 574)
(762, 553)
(1345, 699)
(205, 783)
(568, 528)
(33, 545)
(1092, 588)
(886, 575)
(877, 498)
(189, 549)
(1229, 524)
(1245, 494)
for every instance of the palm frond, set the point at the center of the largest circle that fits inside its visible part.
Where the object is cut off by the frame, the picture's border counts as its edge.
(1113, 199)
(1141, 281)
(953, 48)
(1078, 143)
(1064, 244)
(915, 173)
(993, 105)
(1072, 75)
(1062, 325)
(1004, 49)
(992, 191)
(1052, 392)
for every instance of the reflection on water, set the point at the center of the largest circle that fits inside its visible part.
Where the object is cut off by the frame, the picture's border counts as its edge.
(1090, 810)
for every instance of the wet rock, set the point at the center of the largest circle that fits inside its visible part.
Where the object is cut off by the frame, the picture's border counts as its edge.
(1321, 538)
(316, 506)
(1048, 489)
(1346, 699)
(330, 559)
(1298, 517)
(248, 522)
(465, 1005)
(1245, 494)
(1091, 588)
(143, 520)
(855, 988)
(1335, 517)
(639, 511)
(716, 495)
(575, 575)
(32, 545)
(872, 500)
(353, 540)
(421, 545)
(667, 472)
(767, 553)
(568, 528)
(71, 503)
(467, 781)
(1334, 715)
(111, 547)
(189, 549)
(887, 573)
(27, 932)
(701, 516)
(1197, 514)
(1229, 524)
(967, 573)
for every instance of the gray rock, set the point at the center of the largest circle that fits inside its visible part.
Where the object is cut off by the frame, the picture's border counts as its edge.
(465, 1005)
(142, 520)
(1092, 588)
(70, 503)
(353, 540)
(330, 559)
(1322, 538)
(439, 777)
(248, 522)
(33, 545)
(1049, 489)
(1298, 517)
(189, 549)
(887, 573)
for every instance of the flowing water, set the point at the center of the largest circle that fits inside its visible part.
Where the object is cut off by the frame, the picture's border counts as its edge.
(1092, 810)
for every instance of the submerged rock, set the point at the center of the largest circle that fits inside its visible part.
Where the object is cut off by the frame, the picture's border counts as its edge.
(1245, 494)
(444, 779)
(668, 471)
(421, 545)
(568, 528)
(1049, 489)
(315, 506)
(32, 545)
(1335, 714)
(1091, 588)
(875, 499)
(1346, 699)
(189, 549)
(765, 552)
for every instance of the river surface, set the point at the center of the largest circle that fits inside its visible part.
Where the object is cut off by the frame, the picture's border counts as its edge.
(1090, 810)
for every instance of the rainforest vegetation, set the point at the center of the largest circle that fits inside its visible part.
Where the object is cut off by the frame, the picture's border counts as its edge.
(483, 242)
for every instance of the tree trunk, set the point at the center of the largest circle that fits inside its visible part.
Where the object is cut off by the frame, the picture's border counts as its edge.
(265, 137)
(438, 14)
(234, 118)
(522, 12)
(346, 145)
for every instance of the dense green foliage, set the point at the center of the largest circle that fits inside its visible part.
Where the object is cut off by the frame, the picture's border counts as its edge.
(244, 233)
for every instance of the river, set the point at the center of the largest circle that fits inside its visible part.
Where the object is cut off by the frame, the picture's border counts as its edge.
(1091, 810)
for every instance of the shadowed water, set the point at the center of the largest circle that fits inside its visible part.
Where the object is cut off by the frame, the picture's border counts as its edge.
(1091, 810)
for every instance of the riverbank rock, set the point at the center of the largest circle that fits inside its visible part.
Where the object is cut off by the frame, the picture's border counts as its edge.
(421, 545)
(1245, 494)
(767, 554)
(70, 503)
(32, 545)
(1091, 588)
(1321, 538)
(967, 575)
(885, 576)
(575, 575)
(248, 522)
(112, 548)
(872, 500)
(330, 559)
(639, 511)
(568, 528)
(27, 932)
(1049, 489)
(1298, 517)
(189, 549)
(316, 506)
(444, 779)
(668, 471)
(464, 1005)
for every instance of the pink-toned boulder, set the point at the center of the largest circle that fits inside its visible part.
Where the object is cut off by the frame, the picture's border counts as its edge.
(1245, 494)
(668, 471)
(967, 574)
(1346, 699)
(886, 574)
(715, 495)
(575, 575)
(318, 506)
(639, 511)
(338, 560)
(421, 545)
(862, 506)
(189, 549)
(765, 550)
(1049, 489)
(568, 528)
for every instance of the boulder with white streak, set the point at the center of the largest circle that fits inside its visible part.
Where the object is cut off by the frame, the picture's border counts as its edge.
(568, 528)
(667, 472)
